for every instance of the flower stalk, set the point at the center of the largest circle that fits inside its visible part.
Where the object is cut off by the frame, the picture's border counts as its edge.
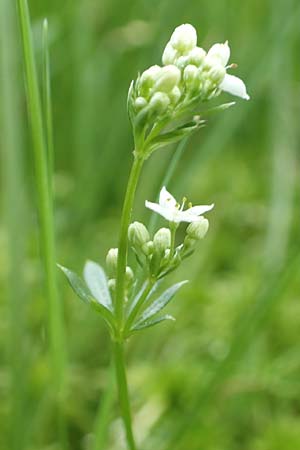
(123, 240)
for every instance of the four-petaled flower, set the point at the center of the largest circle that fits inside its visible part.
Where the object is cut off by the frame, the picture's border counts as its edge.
(168, 208)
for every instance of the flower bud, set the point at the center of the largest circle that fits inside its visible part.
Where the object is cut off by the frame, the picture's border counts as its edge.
(147, 79)
(182, 62)
(112, 284)
(147, 248)
(197, 230)
(197, 56)
(169, 55)
(159, 103)
(175, 95)
(112, 261)
(129, 276)
(217, 73)
(140, 103)
(184, 38)
(220, 52)
(167, 79)
(162, 240)
(190, 75)
(138, 234)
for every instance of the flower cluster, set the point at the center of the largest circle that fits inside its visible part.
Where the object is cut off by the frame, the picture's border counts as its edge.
(160, 254)
(163, 95)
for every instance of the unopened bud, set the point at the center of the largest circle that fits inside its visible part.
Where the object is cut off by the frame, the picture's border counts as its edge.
(112, 261)
(167, 79)
(147, 248)
(184, 38)
(197, 56)
(162, 240)
(175, 95)
(220, 52)
(147, 79)
(197, 230)
(169, 55)
(129, 275)
(159, 102)
(182, 62)
(112, 284)
(217, 73)
(138, 234)
(140, 103)
(190, 75)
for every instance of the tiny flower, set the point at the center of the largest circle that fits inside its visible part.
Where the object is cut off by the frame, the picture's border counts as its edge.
(147, 80)
(184, 38)
(129, 275)
(171, 210)
(219, 54)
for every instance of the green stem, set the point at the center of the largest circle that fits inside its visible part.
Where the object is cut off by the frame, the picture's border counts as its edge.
(123, 241)
(138, 305)
(118, 353)
(173, 228)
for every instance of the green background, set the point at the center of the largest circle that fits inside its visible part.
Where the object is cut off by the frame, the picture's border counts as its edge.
(226, 374)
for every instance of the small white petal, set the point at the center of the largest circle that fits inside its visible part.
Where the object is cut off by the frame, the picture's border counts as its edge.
(185, 216)
(167, 213)
(166, 199)
(235, 86)
(199, 210)
(220, 52)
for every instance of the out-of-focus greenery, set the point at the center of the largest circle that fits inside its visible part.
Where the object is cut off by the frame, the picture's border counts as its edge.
(226, 374)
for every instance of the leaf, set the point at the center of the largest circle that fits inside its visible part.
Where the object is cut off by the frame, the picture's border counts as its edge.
(77, 285)
(175, 135)
(95, 278)
(84, 294)
(130, 100)
(160, 303)
(151, 323)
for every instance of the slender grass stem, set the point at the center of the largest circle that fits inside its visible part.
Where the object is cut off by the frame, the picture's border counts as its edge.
(14, 209)
(104, 413)
(45, 208)
(123, 240)
(118, 353)
(47, 105)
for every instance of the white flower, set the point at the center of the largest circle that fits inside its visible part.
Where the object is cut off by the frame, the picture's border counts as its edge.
(217, 55)
(173, 212)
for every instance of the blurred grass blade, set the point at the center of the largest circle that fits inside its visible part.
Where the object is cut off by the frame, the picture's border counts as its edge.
(47, 105)
(12, 171)
(104, 413)
(43, 181)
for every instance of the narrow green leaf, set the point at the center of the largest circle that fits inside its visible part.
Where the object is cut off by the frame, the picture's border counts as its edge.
(151, 323)
(83, 292)
(95, 278)
(77, 285)
(160, 303)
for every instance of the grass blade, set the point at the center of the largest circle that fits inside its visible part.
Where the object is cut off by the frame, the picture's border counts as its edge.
(45, 209)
